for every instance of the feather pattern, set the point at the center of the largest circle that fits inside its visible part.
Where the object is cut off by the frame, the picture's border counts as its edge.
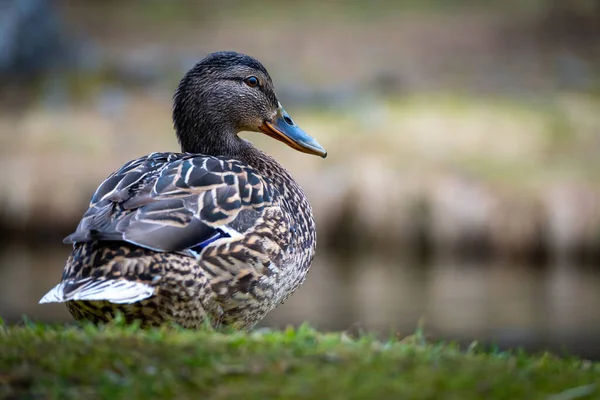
(213, 236)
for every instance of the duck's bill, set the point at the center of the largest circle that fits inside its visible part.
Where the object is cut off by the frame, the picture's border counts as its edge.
(285, 130)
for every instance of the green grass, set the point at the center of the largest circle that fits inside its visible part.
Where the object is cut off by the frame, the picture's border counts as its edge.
(121, 362)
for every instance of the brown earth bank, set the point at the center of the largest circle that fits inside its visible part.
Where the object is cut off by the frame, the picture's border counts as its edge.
(421, 174)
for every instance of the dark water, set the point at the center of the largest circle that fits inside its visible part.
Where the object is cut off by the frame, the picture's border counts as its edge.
(555, 307)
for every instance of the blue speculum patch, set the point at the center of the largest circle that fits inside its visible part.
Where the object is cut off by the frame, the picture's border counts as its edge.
(218, 234)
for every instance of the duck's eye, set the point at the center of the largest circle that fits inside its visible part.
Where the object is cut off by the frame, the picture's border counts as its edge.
(251, 81)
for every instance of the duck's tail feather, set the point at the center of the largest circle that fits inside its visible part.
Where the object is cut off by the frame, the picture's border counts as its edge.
(120, 291)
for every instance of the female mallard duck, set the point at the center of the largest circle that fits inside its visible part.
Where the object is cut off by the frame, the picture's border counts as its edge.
(220, 232)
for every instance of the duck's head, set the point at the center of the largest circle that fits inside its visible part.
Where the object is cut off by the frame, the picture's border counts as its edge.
(226, 93)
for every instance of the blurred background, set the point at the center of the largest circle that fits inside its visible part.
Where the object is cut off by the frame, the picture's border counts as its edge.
(462, 187)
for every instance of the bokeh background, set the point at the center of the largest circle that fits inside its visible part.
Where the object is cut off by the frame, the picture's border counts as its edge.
(462, 188)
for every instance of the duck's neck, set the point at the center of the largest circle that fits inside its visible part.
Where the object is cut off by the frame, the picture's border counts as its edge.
(208, 140)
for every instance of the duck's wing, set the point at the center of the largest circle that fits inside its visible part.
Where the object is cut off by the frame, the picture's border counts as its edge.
(173, 202)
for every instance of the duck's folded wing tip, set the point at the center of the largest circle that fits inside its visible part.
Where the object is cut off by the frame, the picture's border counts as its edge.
(120, 291)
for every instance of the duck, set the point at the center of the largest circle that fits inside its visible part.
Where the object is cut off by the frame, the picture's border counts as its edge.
(219, 233)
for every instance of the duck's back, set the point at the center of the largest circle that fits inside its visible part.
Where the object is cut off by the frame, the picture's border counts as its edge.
(173, 202)
(182, 237)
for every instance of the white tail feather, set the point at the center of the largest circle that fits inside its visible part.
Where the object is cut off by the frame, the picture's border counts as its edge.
(120, 291)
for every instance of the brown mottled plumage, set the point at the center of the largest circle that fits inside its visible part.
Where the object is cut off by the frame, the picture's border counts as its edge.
(220, 232)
